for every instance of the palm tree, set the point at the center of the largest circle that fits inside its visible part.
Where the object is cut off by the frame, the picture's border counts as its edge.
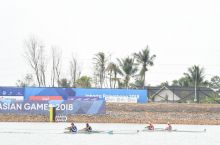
(138, 84)
(195, 75)
(100, 64)
(128, 69)
(116, 71)
(110, 69)
(143, 58)
(182, 82)
(113, 71)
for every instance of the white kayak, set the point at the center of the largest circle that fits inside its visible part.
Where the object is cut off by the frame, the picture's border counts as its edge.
(174, 130)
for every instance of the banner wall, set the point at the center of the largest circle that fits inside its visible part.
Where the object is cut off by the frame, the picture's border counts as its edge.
(62, 107)
(110, 95)
(11, 94)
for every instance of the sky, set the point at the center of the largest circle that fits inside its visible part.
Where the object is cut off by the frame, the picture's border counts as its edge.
(180, 34)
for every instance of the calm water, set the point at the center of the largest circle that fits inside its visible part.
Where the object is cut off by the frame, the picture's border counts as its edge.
(52, 134)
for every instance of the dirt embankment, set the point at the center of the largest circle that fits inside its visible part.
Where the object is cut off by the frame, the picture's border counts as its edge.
(142, 113)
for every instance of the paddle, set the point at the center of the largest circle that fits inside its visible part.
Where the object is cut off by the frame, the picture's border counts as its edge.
(193, 131)
(67, 128)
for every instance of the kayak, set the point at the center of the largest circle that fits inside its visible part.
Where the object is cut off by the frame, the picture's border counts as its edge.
(174, 130)
(103, 132)
(86, 132)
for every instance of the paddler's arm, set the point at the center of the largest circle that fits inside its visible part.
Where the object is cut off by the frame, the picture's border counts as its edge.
(68, 128)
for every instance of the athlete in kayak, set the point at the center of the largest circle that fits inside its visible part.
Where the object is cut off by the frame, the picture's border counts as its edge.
(150, 126)
(88, 128)
(72, 128)
(169, 127)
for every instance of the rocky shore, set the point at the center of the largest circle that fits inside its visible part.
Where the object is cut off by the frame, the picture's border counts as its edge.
(158, 113)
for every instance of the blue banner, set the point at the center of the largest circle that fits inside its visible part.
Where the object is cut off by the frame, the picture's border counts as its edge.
(115, 95)
(110, 95)
(11, 94)
(11, 91)
(62, 107)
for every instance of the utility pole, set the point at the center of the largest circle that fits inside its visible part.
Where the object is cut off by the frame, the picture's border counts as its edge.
(195, 97)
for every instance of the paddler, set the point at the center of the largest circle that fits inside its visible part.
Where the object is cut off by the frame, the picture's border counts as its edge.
(88, 127)
(72, 128)
(150, 126)
(169, 127)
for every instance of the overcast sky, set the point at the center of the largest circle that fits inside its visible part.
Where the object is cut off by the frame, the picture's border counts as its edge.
(180, 32)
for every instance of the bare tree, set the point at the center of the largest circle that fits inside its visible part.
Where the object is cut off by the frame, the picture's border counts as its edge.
(74, 71)
(42, 68)
(56, 66)
(53, 67)
(34, 56)
(27, 81)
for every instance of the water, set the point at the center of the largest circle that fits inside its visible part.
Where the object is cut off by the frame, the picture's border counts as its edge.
(52, 134)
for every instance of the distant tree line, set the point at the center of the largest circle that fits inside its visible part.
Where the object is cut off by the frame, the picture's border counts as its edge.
(128, 72)
(195, 77)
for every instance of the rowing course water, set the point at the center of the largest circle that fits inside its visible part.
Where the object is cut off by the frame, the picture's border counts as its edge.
(52, 134)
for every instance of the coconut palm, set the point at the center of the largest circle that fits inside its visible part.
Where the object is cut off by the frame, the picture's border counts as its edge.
(144, 59)
(113, 71)
(100, 66)
(116, 71)
(195, 75)
(128, 69)
(182, 82)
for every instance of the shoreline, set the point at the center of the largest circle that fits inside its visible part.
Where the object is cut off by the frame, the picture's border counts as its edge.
(157, 113)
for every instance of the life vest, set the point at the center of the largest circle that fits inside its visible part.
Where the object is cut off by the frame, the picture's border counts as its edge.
(74, 129)
(150, 127)
(89, 129)
(169, 127)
